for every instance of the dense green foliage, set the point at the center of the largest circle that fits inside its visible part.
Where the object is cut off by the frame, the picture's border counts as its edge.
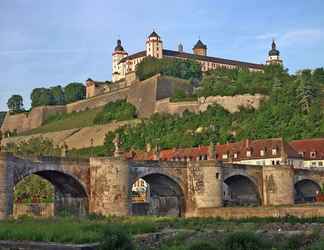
(74, 92)
(229, 82)
(34, 189)
(185, 69)
(173, 131)
(293, 110)
(2, 117)
(58, 95)
(15, 104)
(115, 237)
(119, 110)
(35, 146)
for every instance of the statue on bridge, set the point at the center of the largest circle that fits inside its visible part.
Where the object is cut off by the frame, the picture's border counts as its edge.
(117, 142)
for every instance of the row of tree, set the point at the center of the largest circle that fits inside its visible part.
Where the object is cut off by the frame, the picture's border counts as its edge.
(56, 95)
(184, 69)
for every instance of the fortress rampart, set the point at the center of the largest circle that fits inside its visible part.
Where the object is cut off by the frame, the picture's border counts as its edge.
(148, 96)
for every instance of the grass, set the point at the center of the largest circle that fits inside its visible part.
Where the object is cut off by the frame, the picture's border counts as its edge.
(67, 121)
(235, 234)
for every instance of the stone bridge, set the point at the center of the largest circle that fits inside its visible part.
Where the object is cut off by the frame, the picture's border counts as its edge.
(103, 185)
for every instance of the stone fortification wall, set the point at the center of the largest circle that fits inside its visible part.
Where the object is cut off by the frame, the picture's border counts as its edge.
(74, 138)
(148, 96)
(27, 121)
(230, 103)
(97, 101)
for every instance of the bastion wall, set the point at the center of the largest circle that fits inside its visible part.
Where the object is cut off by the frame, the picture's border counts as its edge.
(148, 96)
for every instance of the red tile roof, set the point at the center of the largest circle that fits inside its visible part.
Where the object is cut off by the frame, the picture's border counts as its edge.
(236, 151)
(309, 146)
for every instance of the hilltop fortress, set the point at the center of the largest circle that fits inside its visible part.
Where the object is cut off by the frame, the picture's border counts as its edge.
(124, 64)
(151, 95)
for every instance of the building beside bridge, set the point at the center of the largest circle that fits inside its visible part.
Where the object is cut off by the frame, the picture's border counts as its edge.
(263, 152)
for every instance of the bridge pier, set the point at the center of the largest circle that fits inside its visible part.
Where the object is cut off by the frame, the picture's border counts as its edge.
(6, 187)
(205, 185)
(278, 185)
(109, 187)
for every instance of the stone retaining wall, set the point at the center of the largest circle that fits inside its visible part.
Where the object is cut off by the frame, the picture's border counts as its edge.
(261, 212)
(230, 103)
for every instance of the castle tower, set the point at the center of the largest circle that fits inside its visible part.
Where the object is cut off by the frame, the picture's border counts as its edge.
(118, 71)
(154, 45)
(274, 55)
(200, 48)
(180, 47)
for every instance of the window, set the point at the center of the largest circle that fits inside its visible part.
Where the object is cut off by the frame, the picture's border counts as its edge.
(273, 162)
(262, 152)
(225, 156)
(301, 154)
(217, 175)
(235, 155)
(313, 163)
(313, 154)
(248, 153)
(277, 162)
(274, 151)
(320, 164)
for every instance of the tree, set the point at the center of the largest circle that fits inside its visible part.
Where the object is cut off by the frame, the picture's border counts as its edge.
(41, 97)
(306, 91)
(57, 95)
(74, 92)
(151, 66)
(15, 104)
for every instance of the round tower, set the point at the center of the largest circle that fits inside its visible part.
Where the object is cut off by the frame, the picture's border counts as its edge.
(154, 45)
(200, 48)
(118, 71)
(274, 55)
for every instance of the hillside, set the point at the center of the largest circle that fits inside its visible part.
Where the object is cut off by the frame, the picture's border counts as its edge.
(293, 111)
(2, 116)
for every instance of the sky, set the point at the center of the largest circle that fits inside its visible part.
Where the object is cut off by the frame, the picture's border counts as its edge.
(55, 42)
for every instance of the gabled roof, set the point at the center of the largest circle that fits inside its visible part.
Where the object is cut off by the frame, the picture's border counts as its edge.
(307, 146)
(283, 150)
(255, 147)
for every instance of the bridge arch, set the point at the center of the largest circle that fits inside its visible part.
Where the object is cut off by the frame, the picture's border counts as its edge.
(71, 194)
(240, 189)
(166, 196)
(306, 190)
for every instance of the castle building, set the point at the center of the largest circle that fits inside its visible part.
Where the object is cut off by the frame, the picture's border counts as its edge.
(274, 55)
(124, 64)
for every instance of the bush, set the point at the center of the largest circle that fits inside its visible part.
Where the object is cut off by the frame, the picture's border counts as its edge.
(202, 245)
(116, 238)
(244, 241)
(150, 66)
(119, 111)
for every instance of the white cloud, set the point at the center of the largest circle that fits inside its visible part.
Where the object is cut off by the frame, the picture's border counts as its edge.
(301, 36)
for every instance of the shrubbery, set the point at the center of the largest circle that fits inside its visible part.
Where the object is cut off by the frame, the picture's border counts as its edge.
(119, 110)
(185, 69)
(294, 110)
(116, 238)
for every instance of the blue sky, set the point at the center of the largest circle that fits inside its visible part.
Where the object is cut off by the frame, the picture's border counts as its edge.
(52, 42)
